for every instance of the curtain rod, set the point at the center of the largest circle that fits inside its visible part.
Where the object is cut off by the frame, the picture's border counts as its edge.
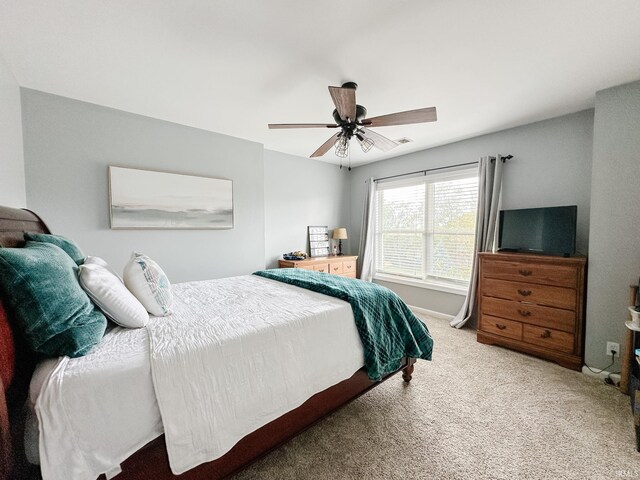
(424, 172)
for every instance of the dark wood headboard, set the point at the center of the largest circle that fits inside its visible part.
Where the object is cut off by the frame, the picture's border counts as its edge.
(16, 360)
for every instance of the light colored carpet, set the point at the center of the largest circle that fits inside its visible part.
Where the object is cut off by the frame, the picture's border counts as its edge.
(474, 412)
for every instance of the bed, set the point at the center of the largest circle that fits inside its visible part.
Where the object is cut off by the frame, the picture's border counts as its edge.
(151, 460)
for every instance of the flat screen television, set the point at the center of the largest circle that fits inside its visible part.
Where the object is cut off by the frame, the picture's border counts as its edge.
(548, 230)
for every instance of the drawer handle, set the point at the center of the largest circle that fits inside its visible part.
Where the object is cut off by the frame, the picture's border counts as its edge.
(500, 326)
(545, 334)
(525, 273)
(348, 266)
(335, 269)
(524, 313)
(524, 293)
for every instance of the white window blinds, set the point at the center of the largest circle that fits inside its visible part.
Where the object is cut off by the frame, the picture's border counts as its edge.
(425, 227)
(400, 230)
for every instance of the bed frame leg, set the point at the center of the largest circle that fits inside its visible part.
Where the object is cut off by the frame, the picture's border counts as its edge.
(407, 372)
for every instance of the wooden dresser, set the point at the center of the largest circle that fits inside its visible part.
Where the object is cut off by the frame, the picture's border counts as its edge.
(534, 304)
(343, 265)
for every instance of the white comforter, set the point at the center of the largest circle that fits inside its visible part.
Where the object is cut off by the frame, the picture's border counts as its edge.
(236, 354)
(239, 353)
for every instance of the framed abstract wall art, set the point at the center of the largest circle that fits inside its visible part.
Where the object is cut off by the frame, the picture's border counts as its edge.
(159, 200)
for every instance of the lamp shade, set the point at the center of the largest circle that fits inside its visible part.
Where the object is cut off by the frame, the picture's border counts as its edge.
(340, 234)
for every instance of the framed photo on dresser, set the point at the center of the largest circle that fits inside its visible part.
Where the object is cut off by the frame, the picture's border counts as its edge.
(318, 240)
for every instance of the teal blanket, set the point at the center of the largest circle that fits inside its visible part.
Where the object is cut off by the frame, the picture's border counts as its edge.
(388, 330)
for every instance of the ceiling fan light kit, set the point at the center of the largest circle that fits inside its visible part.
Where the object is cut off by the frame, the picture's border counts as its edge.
(351, 119)
(342, 146)
(365, 142)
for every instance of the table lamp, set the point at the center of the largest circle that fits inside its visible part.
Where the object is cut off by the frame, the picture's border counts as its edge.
(340, 234)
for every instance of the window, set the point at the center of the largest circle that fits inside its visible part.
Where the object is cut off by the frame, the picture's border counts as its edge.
(425, 227)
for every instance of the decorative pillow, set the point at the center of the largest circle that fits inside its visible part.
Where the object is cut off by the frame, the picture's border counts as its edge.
(64, 243)
(40, 288)
(89, 260)
(146, 280)
(110, 295)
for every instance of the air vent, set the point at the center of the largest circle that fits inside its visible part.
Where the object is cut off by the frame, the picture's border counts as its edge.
(404, 140)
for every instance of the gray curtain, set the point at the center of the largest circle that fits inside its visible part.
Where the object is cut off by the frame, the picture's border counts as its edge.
(489, 189)
(365, 255)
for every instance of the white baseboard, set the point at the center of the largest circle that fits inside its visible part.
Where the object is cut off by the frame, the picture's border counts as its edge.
(431, 313)
(602, 375)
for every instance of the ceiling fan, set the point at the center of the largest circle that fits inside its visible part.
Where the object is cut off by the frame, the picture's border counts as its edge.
(351, 120)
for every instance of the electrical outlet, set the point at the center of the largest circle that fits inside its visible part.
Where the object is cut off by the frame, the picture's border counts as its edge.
(613, 346)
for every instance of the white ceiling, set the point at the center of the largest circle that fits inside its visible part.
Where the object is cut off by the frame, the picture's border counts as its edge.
(234, 66)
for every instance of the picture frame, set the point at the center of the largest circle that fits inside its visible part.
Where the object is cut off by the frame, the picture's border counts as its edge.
(318, 240)
(147, 199)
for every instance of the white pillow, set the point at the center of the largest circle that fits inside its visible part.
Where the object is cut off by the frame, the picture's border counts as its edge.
(110, 295)
(146, 280)
(89, 260)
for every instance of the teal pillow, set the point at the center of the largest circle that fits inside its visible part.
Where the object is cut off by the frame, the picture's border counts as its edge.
(40, 287)
(64, 243)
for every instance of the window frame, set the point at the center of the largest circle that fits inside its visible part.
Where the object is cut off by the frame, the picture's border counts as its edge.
(429, 282)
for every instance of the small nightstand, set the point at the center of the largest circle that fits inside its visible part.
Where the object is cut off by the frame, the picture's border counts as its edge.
(343, 265)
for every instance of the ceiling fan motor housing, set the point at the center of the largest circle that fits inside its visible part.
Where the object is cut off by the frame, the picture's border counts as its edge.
(349, 127)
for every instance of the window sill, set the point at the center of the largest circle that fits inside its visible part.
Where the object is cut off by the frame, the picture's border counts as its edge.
(429, 285)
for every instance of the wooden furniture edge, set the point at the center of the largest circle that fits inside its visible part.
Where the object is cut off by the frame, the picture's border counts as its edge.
(151, 461)
(566, 360)
(628, 355)
(13, 465)
(6, 451)
(538, 257)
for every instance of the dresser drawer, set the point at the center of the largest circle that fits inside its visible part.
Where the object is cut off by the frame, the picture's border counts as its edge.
(349, 267)
(542, 316)
(500, 326)
(549, 338)
(558, 275)
(323, 267)
(530, 293)
(335, 268)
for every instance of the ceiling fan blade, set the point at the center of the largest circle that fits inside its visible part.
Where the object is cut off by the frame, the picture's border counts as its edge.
(325, 147)
(420, 115)
(345, 101)
(380, 141)
(302, 125)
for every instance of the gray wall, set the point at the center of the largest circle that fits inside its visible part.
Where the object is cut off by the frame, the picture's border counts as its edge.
(551, 166)
(12, 185)
(68, 146)
(300, 192)
(614, 252)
